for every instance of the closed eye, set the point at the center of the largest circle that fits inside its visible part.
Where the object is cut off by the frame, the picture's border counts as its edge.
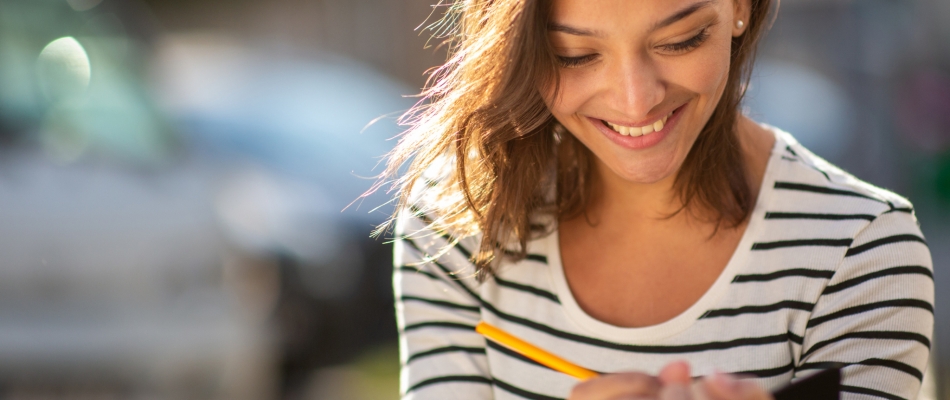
(688, 44)
(574, 62)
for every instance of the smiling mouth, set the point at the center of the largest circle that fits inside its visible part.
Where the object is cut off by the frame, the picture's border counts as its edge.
(639, 130)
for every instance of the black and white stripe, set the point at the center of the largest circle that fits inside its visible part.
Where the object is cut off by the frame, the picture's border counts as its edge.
(836, 274)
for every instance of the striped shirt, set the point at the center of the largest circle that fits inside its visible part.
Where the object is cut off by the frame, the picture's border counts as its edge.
(829, 270)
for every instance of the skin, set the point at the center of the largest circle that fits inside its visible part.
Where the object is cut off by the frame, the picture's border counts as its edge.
(673, 383)
(626, 264)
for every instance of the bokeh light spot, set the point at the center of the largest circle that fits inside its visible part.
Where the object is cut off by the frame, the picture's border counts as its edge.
(83, 5)
(63, 69)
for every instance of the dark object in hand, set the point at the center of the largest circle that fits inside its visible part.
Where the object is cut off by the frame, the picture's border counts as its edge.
(825, 385)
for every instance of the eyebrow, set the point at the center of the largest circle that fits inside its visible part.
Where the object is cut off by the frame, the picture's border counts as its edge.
(682, 14)
(556, 27)
(573, 31)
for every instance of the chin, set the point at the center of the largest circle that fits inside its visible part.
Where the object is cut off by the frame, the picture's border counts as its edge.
(645, 171)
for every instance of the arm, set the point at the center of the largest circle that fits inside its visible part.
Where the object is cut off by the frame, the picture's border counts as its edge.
(876, 314)
(442, 356)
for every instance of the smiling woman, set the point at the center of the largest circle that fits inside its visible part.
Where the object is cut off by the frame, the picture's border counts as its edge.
(580, 176)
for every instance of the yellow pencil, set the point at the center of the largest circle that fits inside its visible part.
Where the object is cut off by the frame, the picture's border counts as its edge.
(533, 352)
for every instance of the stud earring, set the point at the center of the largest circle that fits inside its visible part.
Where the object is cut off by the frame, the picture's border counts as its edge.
(740, 24)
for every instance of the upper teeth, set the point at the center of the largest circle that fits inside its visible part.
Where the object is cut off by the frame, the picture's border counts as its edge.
(640, 130)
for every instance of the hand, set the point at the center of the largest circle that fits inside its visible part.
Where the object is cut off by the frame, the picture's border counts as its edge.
(622, 385)
(673, 383)
(678, 385)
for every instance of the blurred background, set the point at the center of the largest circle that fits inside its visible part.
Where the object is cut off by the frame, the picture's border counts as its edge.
(174, 173)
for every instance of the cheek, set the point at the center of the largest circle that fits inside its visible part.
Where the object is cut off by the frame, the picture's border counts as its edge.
(708, 71)
(573, 92)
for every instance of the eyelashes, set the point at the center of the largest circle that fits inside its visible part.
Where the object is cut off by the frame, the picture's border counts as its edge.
(573, 62)
(675, 48)
(688, 44)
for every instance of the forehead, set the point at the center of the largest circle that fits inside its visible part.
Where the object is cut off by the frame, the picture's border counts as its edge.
(598, 17)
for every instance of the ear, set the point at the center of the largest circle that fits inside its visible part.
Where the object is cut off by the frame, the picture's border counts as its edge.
(742, 10)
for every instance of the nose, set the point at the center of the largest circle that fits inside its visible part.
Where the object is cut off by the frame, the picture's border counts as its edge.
(634, 88)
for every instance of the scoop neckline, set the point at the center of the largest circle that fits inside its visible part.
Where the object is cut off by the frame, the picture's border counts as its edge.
(688, 317)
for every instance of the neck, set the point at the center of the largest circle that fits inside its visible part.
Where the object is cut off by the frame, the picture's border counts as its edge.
(614, 199)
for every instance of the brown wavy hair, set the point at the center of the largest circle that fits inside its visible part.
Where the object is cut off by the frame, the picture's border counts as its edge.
(482, 122)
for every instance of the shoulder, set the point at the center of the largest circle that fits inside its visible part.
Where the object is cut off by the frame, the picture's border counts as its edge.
(880, 281)
(811, 179)
(419, 213)
(418, 233)
(874, 227)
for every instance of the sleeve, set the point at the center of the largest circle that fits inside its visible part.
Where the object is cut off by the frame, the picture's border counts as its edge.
(876, 316)
(437, 308)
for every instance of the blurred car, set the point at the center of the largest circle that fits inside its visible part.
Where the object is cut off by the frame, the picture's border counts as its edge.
(172, 207)
(301, 137)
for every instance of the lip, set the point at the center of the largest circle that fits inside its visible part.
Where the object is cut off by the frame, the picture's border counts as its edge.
(638, 142)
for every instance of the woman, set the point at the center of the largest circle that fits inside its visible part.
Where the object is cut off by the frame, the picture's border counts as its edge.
(580, 176)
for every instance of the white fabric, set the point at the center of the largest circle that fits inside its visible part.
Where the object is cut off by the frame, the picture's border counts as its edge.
(829, 270)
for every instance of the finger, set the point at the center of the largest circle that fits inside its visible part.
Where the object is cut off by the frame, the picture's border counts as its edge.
(751, 391)
(619, 385)
(634, 398)
(699, 392)
(676, 372)
(721, 386)
(675, 391)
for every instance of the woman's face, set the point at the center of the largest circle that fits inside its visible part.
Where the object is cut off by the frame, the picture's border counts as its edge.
(640, 78)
